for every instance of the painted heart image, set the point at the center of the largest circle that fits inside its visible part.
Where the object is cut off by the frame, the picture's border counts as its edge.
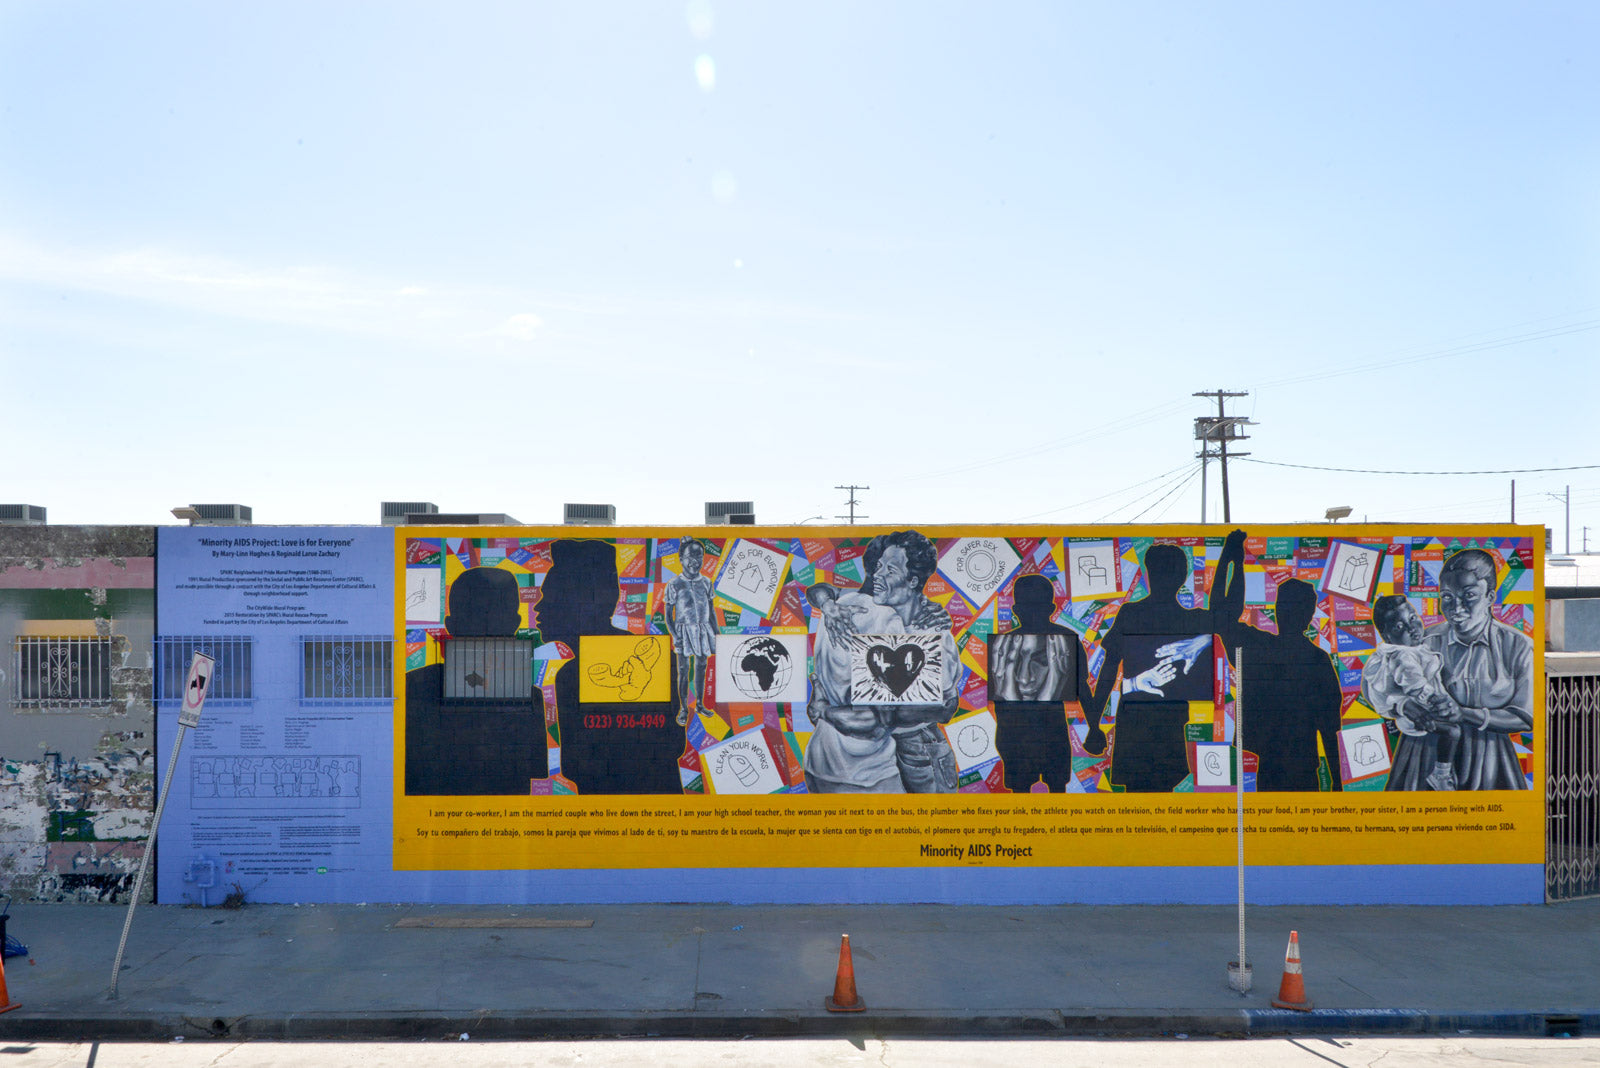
(896, 668)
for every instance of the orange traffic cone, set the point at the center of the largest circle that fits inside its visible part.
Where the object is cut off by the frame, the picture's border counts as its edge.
(6, 1004)
(844, 997)
(1292, 991)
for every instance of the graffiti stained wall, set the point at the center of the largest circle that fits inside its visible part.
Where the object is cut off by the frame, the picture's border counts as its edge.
(991, 700)
(76, 722)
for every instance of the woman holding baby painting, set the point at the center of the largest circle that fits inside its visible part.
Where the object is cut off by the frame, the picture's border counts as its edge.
(1458, 691)
(1487, 669)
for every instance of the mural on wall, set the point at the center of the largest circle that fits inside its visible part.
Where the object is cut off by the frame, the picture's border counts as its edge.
(898, 662)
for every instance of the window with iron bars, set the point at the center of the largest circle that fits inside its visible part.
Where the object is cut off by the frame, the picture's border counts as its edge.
(488, 669)
(339, 670)
(230, 679)
(61, 672)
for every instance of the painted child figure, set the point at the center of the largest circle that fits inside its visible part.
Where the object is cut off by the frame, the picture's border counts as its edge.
(694, 629)
(1402, 683)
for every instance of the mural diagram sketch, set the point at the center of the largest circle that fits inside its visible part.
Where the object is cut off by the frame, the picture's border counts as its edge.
(1092, 567)
(744, 764)
(633, 676)
(973, 738)
(423, 598)
(275, 781)
(1366, 752)
(1363, 753)
(1353, 576)
(1353, 570)
(752, 575)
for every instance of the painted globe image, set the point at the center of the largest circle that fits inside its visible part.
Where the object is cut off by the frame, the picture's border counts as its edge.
(761, 667)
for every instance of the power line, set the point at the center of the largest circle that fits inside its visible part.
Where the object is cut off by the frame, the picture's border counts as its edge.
(1168, 506)
(1124, 489)
(1127, 422)
(1371, 471)
(1438, 354)
(1178, 475)
(1182, 475)
(1184, 482)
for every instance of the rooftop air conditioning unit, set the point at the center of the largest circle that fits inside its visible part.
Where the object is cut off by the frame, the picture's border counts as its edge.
(21, 515)
(395, 512)
(221, 515)
(719, 512)
(589, 515)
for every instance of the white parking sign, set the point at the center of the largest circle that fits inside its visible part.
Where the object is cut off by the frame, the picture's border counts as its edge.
(194, 690)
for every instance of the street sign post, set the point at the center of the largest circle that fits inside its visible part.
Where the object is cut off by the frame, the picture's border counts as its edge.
(195, 688)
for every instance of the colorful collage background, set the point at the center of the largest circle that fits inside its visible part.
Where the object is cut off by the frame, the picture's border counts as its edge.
(974, 584)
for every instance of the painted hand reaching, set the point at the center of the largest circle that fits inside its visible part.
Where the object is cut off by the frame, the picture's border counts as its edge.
(1188, 650)
(1153, 679)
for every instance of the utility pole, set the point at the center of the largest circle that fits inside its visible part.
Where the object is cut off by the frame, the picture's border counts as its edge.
(1566, 499)
(1513, 500)
(852, 503)
(1219, 430)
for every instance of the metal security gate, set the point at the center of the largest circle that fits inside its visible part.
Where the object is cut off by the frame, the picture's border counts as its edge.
(1572, 705)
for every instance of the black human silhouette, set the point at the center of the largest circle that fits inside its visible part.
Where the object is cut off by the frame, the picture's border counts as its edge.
(1151, 753)
(1290, 686)
(482, 745)
(1034, 668)
(606, 748)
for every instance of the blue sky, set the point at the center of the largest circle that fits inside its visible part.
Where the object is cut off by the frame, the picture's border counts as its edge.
(309, 257)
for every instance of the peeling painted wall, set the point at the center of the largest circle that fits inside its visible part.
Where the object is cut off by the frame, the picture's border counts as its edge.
(76, 776)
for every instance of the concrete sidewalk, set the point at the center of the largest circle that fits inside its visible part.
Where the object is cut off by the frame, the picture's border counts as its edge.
(355, 971)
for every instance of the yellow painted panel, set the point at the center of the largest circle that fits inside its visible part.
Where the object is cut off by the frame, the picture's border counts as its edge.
(625, 669)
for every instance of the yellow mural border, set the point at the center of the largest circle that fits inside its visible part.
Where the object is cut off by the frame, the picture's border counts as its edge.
(995, 830)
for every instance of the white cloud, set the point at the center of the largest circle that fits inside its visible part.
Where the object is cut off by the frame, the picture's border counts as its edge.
(308, 296)
(523, 327)
(700, 18)
(326, 300)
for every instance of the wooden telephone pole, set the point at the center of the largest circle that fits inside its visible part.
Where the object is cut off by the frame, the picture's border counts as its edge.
(1218, 430)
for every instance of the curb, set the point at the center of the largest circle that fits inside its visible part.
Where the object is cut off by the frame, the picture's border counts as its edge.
(492, 1025)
